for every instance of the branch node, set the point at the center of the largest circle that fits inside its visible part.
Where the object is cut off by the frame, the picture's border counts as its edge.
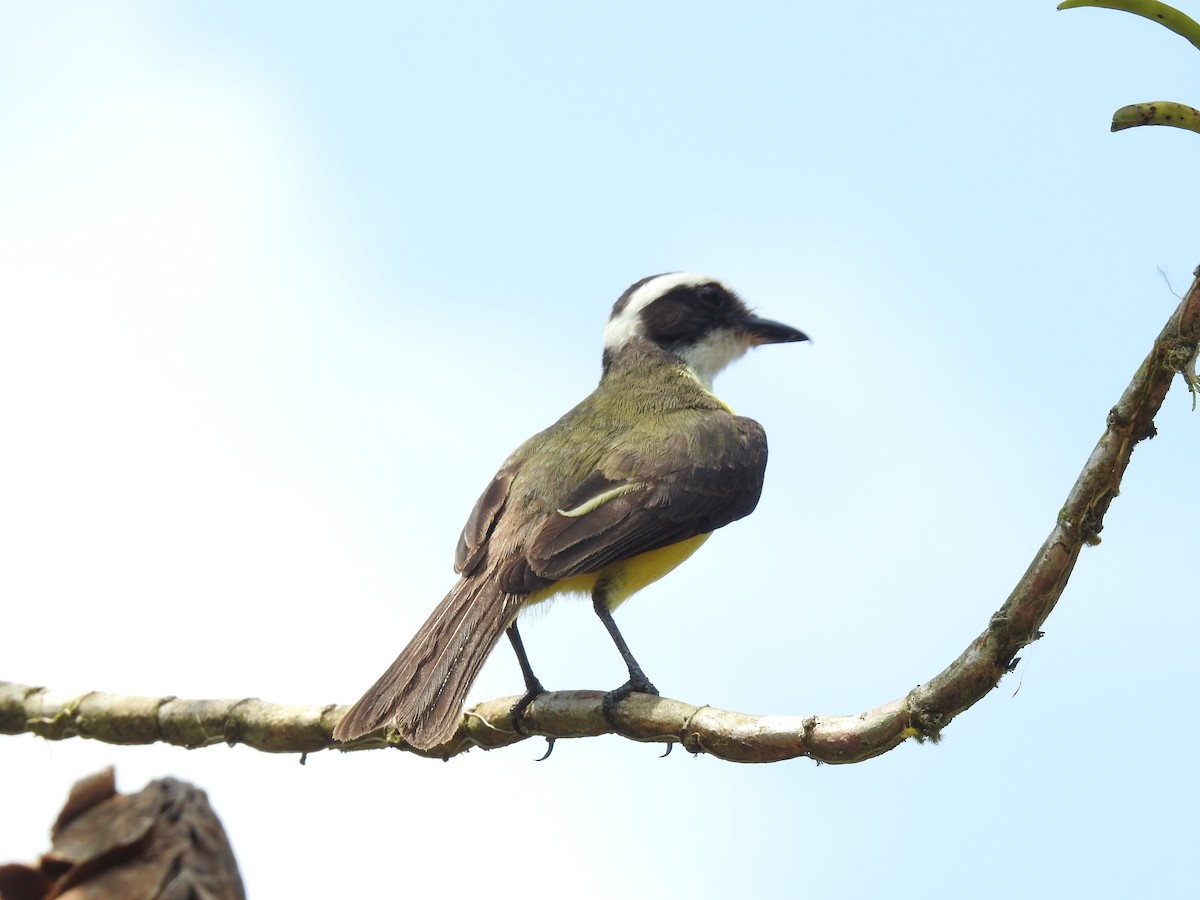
(808, 727)
(690, 738)
(1182, 357)
(924, 723)
(231, 728)
(73, 716)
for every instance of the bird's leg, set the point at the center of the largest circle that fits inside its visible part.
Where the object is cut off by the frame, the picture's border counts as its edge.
(638, 682)
(533, 687)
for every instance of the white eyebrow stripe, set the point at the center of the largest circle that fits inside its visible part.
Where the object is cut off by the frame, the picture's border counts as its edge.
(627, 323)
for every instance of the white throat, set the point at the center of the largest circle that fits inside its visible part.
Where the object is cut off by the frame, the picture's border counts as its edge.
(713, 354)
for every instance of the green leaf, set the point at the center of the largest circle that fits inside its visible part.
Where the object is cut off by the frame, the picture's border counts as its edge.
(1167, 16)
(1158, 112)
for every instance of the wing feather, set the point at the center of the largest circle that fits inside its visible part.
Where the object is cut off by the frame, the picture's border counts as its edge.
(472, 543)
(690, 485)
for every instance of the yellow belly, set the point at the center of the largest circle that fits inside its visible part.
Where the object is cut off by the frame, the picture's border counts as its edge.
(625, 578)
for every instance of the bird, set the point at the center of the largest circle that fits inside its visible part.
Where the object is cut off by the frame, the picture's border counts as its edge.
(614, 495)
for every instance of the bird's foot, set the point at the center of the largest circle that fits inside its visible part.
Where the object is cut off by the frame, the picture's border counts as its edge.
(638, 684)
(532, 692)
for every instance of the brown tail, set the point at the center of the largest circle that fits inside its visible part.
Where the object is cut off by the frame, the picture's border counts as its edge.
(425, 687)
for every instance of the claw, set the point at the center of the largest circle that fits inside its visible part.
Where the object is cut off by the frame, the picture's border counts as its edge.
(638, 684)
(518, 710)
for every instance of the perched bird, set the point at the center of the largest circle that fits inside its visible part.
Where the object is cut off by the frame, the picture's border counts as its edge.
(611, 497)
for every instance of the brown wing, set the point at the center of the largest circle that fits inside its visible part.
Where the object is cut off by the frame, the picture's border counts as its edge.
(634, 503)
(473, 541)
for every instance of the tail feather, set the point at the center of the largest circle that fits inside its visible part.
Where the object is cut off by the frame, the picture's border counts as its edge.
(425, 687)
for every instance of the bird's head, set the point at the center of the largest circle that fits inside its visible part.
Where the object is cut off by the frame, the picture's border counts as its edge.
(697, 318)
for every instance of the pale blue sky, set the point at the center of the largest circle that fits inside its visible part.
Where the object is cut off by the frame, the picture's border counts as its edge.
(279, 289)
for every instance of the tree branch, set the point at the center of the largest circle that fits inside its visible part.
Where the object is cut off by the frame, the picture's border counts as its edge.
(739, 737)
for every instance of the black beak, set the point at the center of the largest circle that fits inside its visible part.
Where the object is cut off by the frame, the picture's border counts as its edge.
(764, 331)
